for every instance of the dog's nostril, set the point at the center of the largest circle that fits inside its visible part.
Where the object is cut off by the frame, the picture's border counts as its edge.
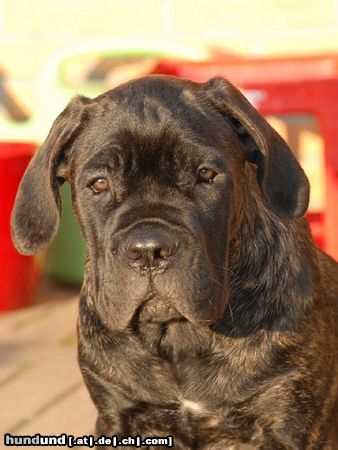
(157, 253)
(161, 253)
(133, 253)
(164, 252)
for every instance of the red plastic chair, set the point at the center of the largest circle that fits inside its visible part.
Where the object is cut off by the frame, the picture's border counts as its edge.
(19, 275)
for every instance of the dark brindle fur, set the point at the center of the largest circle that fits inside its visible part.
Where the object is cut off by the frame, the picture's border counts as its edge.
(206, 312)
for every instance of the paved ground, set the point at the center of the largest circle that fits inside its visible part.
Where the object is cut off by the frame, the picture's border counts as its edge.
(41, 388)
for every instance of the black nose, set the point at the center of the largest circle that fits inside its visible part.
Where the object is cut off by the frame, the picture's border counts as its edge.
(149, 249)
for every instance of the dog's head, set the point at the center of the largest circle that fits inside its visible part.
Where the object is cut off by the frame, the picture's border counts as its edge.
(156, 168)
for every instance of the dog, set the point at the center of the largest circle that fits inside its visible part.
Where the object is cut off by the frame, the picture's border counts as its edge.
(206, 313)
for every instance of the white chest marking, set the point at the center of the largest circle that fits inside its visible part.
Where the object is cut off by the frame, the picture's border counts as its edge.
(192, 406)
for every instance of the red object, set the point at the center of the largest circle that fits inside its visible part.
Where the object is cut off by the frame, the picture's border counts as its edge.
(19, 275)
(277, 86)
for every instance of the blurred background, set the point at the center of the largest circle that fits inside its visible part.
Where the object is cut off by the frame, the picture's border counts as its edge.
(282, 54)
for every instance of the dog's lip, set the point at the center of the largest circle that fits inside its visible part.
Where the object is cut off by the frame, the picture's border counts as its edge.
(175, 319)
(155, 308)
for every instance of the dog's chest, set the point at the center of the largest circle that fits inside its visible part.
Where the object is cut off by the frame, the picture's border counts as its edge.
(187, 390)
(198, 408)
(191, 422)
(195, 397)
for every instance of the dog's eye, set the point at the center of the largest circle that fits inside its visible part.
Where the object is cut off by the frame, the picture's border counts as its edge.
(100, 185)
(206, 175)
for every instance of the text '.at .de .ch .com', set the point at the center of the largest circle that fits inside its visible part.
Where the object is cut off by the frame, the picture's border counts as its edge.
(68, 440)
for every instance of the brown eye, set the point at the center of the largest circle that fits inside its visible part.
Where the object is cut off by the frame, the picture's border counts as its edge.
(100, 185)
(206, 175)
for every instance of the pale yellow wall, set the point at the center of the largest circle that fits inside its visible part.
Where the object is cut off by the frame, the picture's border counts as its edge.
(30, 30)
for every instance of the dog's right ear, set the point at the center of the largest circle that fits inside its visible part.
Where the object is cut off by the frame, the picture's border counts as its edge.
(37, 208)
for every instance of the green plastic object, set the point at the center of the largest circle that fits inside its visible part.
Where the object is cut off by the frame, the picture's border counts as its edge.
(66, 255)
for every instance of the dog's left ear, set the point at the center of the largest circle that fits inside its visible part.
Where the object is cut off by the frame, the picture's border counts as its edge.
(36, 213)
(280, 176)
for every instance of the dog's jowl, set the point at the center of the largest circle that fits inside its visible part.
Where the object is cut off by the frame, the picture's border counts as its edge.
(206, 313)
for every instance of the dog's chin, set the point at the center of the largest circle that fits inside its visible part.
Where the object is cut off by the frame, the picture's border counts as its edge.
(157, 310)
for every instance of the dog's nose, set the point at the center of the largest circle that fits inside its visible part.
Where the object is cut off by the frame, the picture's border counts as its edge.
(149, 249)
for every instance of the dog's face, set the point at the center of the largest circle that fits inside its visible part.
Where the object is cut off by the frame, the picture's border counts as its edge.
(156, 168)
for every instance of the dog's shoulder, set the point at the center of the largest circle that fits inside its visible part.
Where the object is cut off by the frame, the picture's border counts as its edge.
(328, 269)
(328, 272)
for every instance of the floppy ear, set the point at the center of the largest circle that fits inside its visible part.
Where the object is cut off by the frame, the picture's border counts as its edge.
(281, 178)
(36, 213)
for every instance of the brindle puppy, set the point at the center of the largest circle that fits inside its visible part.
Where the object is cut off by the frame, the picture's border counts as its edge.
(206, 311)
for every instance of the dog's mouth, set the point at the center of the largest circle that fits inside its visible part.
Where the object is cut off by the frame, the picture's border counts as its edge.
(156, 309)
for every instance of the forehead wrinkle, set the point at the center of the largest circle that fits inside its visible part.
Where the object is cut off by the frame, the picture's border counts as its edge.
(193, 103)
(106, 157)
(153, 109)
